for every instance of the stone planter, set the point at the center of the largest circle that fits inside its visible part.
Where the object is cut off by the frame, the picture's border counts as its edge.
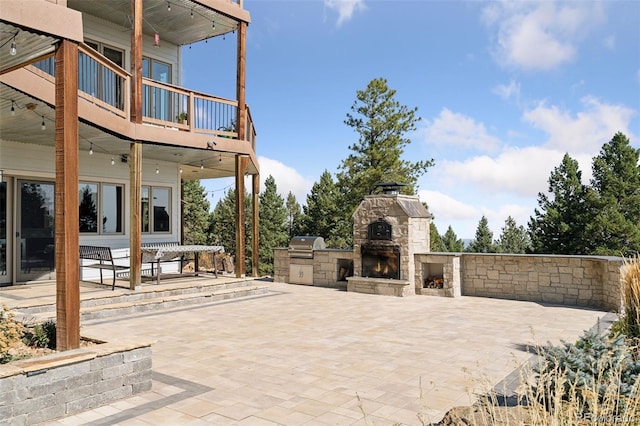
(41, 389)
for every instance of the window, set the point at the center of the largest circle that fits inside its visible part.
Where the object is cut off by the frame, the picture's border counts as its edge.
(157, 102)
(110, 206)
(158, 201)
(100, 81)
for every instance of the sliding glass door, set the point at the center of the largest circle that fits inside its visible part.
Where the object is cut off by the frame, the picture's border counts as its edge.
(4, 271)
(35, 236)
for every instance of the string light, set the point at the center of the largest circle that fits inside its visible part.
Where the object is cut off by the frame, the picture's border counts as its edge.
(157, 170)
(14, 47)
(91, 149)
(43, 126)
(113, 161)
(214, 25)
(13, 110)
(168, 6)
(201, 165)
(191, 13)
(180, 169)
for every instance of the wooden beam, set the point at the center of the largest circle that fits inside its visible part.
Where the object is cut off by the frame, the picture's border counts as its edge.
(135, 150)
(255, 253)
(67, 237)
(242, 163)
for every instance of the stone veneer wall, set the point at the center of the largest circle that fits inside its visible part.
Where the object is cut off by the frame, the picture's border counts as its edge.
(41, 389)
(588, 281)
(325, 265)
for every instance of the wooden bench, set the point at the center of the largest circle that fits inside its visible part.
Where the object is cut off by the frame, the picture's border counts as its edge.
(103, 258)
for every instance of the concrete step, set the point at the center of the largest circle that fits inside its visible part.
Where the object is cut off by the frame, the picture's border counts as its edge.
(148, 300)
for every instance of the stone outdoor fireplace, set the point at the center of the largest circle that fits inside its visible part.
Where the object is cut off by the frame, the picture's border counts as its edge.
(388, 230)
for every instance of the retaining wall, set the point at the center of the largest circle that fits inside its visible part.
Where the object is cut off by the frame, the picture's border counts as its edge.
(41, 389)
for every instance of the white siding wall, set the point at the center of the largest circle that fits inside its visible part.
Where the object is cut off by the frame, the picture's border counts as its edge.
(30, 161)
(120, 37)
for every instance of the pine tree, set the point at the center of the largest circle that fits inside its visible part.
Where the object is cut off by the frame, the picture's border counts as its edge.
(223, 225)
(483, 241)
(274, 226)
(321, 214)
(294, 214)
(558, 227)
(195, 213)
(514, 238)
(435, 242)
(451, 242)
(615, 199)
(382, 124)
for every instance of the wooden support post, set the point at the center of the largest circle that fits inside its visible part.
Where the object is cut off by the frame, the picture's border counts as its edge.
(67, 235)
(255, 253)
(135, 150)
(241, 125)
(242, 163)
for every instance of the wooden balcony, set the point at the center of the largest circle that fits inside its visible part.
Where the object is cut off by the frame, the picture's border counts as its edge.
(106, 85)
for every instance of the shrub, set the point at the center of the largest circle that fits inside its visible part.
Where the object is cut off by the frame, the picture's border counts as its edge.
(42, 335)
(595, 378)
(629, 322)
(10, 334)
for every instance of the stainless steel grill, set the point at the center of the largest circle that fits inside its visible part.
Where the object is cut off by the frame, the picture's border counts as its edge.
(303, 246)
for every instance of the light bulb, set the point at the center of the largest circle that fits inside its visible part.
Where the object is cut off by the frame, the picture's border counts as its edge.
(13, 110)
(157, 170)
(91, 150)
(43, 126)
(191, 13)
(168, 7)
(14, 48)
(214, 25)
(180, 169)
(201, 166)
(112, 161)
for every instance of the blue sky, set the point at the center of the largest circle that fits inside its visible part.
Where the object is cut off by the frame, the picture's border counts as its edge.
(503, 89)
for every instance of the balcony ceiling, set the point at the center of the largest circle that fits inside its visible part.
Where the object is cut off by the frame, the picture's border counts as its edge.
(24, 125)
(187, 21)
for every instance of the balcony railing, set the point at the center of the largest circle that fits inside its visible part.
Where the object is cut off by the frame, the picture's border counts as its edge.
(105, 84)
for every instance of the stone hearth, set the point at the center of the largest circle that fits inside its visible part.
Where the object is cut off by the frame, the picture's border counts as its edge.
(388, 230)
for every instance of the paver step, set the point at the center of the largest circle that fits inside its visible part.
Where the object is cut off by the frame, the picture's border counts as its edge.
(131, 303)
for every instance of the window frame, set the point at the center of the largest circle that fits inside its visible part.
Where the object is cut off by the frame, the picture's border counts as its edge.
(100, 202)
(150, 218)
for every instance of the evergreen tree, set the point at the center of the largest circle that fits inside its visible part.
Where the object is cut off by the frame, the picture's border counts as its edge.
(294, 214)
(514, 238)
(435, 242)
(321, 214)
(195, 213)
(558, 226)
(483, 242)
(382, 124)
(451, 242)
(615, 199)
(274, 226)
(223, 225)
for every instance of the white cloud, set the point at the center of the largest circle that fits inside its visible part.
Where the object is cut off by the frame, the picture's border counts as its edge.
(540, 35)
(508, 91)
(345, 8)
(453, 129)
(585, 132)
(287, 179)
(442, 205)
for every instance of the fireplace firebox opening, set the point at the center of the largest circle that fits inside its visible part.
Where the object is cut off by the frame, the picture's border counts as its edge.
(381, 262)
